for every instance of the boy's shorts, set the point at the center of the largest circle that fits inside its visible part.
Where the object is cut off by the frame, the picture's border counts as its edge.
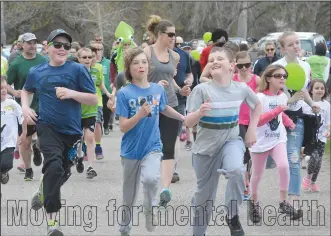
(6, 159)
(89, 123)
(99, 118)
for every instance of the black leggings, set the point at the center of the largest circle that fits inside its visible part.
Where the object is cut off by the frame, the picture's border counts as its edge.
(315, 162)
(56, 168)
(168, 130)
(107, 114)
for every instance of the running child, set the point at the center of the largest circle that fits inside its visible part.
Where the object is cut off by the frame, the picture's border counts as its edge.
(11, 112)
(271, 140)
(138, 106)
(219, 149)
(317, 131)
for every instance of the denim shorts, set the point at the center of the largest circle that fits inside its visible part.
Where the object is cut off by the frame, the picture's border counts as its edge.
(99, 116)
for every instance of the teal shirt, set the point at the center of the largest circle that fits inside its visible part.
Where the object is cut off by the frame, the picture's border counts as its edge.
(106, 72)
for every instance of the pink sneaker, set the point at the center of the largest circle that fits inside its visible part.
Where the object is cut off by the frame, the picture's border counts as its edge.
(315, 188)
(305, 183)
(17, 154)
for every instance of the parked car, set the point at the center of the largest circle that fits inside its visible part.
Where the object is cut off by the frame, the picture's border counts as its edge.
(308, 41)
(238, 40)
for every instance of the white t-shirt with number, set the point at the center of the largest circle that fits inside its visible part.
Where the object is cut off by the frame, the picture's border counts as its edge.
(273, 132)
(306, 67)
(325, 118)
(11, 112)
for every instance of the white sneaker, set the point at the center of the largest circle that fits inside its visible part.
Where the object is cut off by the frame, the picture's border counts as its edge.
(307, 158)
(151, 221)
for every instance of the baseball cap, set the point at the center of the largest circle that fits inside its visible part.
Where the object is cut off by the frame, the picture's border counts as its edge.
(28, 37)
(186, 45)
(58, 32)
(20, 38)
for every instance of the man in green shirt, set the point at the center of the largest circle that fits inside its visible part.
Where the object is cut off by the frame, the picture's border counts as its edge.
(16, 74)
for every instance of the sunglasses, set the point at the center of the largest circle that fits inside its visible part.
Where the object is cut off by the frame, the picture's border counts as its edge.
(85, 57)
(178, 44)
(270, 49)
(59, 45)
(246, 65)
(170, 34)
(279, 76)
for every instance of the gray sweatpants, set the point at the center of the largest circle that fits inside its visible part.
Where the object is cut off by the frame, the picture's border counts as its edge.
(147, 171)
(228, 162)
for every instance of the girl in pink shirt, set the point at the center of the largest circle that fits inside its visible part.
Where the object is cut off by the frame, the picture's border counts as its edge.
(271, 140)
(244, 64)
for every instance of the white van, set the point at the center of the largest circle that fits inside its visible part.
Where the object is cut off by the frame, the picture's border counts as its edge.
(308, 41)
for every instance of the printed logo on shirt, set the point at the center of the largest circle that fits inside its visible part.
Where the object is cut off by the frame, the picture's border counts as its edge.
(104, 70)
(7, 108)
(136, 104)
(274, 123)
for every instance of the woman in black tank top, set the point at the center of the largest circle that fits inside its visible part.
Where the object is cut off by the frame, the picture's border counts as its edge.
(163, 63)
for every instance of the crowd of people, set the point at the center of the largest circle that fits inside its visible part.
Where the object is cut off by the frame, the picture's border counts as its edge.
(230, 105)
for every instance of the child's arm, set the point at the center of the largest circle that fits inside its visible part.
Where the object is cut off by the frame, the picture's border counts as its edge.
(193, 118)
(102, 87)
(83, 98)
(172, 113)
(268, 116)
(287, 121)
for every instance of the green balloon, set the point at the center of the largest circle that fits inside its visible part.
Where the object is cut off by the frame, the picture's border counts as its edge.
(207, 37)
(296, 77)
(196, 55)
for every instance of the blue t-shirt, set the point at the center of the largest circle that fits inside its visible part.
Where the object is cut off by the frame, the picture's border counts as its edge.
(64, 115)
(183, 68)
(145, 136)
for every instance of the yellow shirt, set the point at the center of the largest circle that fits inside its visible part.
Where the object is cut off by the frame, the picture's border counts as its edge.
(100, 71)
(4, 65)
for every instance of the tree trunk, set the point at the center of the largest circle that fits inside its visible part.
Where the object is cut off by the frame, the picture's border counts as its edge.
(99, 20)
(242, 23)
(3, 32)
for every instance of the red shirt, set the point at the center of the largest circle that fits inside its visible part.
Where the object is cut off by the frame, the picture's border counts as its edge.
(204, 56)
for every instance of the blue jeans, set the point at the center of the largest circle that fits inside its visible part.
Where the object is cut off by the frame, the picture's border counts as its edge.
(294, 143)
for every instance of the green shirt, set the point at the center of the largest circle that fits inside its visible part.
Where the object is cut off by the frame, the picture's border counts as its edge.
(18, 71)
(106, 72)
(318, 64)
(87, 110)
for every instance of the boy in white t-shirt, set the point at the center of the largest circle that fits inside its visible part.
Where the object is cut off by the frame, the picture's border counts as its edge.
(11, 111)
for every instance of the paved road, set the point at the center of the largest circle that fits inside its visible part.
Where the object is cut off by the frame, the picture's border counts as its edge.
(91, 198)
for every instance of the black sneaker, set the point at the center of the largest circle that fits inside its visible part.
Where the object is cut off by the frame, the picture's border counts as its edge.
(188, 145)
(175, 178)
(288, 209)
(4, 178)
(235, 226)
(37, 159)
(28, 174)
(90, 173)
(254, 212)
(107, 131)
(80, 164)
